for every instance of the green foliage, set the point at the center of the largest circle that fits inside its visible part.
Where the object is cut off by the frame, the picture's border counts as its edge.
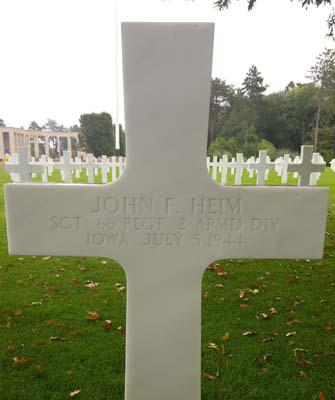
(253, 86)
(222, 4)
(327, 142)
(222, 146)
(33, 126)
(97, 133)
(266, 145)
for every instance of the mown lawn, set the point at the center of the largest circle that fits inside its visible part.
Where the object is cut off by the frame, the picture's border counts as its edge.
(48, 347)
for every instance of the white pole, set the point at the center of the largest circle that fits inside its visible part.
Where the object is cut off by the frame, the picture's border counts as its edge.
(117, 126)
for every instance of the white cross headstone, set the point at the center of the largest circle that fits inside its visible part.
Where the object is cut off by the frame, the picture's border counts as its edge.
(251, 161)
(284, 173)
(50, 166)
(240, 164)
(224, 169)
(306, 166)
(262, 166)
(90, 166)
(77, 167)
(23, 167)
(13, 159)
(104, 175)
(315, 176)
(113, 168)
(43, 162)
(165, 219)
(332, 165)
(66, 167)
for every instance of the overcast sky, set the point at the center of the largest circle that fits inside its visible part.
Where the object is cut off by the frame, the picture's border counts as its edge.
(58, 58)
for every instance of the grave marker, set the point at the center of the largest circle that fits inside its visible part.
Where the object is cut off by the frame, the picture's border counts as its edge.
(262, 165)
(165, 219)
(306, 167)
(23, 167)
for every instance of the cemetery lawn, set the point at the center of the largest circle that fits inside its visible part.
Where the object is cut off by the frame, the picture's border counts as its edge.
(268, 327)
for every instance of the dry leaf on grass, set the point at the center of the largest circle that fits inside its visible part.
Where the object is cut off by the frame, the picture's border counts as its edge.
(251, 333)
(21, 361)
(108, 325)
(92, 316)
(210, 377)
(75, 393)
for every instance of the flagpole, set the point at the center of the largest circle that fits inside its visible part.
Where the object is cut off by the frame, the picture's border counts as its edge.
(117, 122)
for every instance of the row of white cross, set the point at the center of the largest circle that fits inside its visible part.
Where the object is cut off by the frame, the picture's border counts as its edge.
(21, 168)
(307, 167)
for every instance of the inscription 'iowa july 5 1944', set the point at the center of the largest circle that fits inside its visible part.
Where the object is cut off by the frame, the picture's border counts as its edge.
(166, 223)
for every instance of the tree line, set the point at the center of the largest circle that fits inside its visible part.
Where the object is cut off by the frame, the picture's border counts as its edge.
(246, 119)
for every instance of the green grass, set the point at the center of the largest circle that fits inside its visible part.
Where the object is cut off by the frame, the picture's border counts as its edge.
(42, 299)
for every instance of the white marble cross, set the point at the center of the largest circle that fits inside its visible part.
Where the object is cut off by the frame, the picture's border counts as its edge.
(306, 167)
(284, 173)
(104, 172)
(262, 166)
(332, 165)
(224, 169)
(90, 166)
(165, 220)
(66, 167)
(24, 168)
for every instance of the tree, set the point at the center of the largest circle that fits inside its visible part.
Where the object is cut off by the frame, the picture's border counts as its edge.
(221, 100)
(253, 85)
(51, 125)
(33, 126)
(97, 133)
(323, 76)
(221, 4)
(2, 123)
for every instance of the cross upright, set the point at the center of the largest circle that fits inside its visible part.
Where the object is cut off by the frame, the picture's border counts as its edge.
(262, 166)
(23, 167)
(166, 219)
(306, 167)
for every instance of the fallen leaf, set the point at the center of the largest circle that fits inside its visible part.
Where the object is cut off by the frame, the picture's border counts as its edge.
(11, 347)
(46, 258)
(108, 325)
(39, 367)
(62, 326)
(220, 271)
(273, 311)
(268, 339)
(252, 333)
(289, 334)
(91, 284)
(219, 285)
(213, 346)
(210, 377)
(304, 362)
(244, 305)
(75, 393)
(56, 338)
(226, 337)
(328, 328)
(21, 361)
(302, 374)
(92, 316)
(242, 294)
(321, 396)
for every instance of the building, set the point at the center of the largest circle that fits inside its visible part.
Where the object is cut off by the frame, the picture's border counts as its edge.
(12, 138)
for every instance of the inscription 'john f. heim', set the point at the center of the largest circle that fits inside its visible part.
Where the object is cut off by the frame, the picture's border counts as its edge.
(168, 205)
